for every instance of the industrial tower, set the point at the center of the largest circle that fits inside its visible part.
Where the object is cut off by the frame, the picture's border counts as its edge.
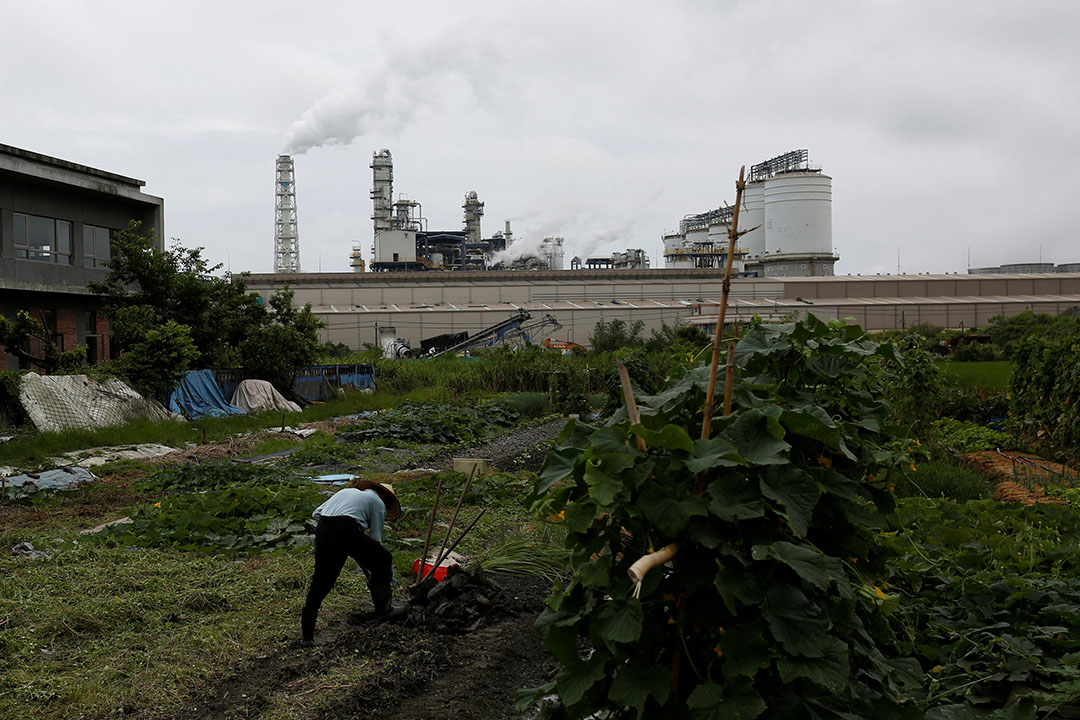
(286, 242)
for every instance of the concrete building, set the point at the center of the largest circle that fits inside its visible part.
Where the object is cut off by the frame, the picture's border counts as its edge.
(422, 305)
(56, 222)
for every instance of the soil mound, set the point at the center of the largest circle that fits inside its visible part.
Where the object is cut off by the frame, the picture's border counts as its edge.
(464, 602)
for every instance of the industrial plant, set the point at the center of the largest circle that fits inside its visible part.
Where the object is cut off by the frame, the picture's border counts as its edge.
(785, 219)
(403, 241)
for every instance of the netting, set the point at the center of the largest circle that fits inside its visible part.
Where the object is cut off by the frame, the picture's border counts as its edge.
(60, 402)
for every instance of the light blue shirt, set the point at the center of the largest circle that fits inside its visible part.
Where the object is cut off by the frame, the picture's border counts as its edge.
(363, 506)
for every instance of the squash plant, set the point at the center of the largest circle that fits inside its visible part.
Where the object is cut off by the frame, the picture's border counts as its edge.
(770, 608)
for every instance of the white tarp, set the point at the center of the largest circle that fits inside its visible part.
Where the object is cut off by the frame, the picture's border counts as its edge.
(255, 396)
(60, 402)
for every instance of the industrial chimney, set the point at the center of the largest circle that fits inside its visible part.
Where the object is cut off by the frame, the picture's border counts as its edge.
(286, 241)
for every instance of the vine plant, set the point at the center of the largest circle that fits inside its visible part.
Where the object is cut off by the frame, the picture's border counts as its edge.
(770, 609)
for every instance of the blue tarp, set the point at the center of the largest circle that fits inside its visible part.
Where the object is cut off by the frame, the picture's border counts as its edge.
(198, 395)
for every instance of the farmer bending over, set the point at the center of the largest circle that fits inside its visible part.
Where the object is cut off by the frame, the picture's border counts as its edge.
(351, 525)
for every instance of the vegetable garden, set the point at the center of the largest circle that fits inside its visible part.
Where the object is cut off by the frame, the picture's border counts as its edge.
(838, 554)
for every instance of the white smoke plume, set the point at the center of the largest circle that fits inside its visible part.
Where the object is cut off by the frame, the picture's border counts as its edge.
(409, 82)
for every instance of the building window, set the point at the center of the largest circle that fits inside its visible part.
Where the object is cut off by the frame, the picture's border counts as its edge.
(42, 238)
(96, 250)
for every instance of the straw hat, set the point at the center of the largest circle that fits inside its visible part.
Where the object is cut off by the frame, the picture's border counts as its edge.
(393, 507)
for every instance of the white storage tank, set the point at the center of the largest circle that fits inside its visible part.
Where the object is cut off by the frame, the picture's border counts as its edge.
(673, 246)
(752, 215)
(798, 214)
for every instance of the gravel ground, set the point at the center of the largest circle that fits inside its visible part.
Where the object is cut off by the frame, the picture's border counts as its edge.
(523, 449)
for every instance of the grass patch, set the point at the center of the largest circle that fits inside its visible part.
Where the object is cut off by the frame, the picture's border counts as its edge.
(944, 479)
(986, 374)
(91, 630)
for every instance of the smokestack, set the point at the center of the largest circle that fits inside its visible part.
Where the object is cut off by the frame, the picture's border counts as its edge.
(286, 241)
(508, 235)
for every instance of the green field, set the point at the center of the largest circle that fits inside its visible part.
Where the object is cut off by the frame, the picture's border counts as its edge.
(988, 374)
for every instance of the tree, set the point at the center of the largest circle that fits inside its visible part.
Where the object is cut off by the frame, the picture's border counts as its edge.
(15, 337)
(147, 288)
(174, 294)
(614, 334)
(157, 363)
(278, 349)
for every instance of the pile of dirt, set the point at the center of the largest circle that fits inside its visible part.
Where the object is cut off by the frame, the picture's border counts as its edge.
(464, 602)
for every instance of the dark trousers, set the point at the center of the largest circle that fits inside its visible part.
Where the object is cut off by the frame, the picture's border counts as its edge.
(336, 540)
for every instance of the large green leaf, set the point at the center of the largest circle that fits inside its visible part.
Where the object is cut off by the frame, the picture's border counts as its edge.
(579, 515)
(634, 682)
(735, 497)
(558, 466)
(812, 422)
(809, 564)
(612, 440)
(737, 587)
(795, 622)
(832, 670)
(668, 514)
(734, 701)
(745, 650)
(619, 621)
(602, 476)
(795, 491)
(711, 453)
(577, 678)
(560, 637)
(671, 437)
(751, 433)
(596, 573)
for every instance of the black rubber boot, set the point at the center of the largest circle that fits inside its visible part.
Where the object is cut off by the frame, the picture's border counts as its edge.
(387, 609)
(307, 626)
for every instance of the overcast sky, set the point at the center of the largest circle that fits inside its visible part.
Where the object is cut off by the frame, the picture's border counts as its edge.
(948, 127)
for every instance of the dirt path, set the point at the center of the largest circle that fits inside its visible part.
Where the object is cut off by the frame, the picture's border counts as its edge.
(365, 669)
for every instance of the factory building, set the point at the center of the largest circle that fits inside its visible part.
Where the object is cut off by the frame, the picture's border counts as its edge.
(785, 218)
(1025, 269)
(57, 219)
(420, 306)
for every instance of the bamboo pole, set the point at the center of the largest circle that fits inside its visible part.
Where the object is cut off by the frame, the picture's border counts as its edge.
(729, 377)
(733, 234)
(453, 519)
(631, 403)
(453, 545)
(430, 528)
